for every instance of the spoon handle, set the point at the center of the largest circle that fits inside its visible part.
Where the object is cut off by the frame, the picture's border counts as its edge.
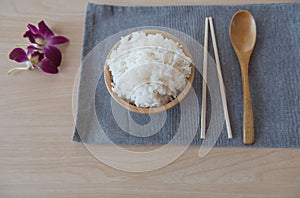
(248, 123)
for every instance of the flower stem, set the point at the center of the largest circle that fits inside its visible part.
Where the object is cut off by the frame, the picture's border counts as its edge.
(21, 44)
(16, 69)
(29, 66)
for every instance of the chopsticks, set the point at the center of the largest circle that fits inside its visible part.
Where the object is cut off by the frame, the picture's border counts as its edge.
(220, 78)
(204, 75)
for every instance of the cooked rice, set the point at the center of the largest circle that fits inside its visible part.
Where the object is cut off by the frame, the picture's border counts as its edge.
(148, 70)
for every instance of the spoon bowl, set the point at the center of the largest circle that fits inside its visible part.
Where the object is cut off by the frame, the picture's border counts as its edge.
(243, 31)
(243, 38)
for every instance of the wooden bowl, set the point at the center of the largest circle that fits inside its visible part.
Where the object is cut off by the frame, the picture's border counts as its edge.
(144, 110)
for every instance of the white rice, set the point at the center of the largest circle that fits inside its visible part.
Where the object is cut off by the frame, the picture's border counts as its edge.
(148, 70)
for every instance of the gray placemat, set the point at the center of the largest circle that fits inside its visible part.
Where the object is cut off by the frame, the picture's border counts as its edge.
(274, 70)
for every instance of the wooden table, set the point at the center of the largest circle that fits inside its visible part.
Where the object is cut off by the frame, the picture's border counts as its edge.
(38, 158)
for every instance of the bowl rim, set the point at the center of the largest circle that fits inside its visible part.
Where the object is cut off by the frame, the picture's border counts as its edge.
(150, 110)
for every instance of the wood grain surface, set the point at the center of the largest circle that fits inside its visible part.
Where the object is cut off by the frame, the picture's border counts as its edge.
(38, 158)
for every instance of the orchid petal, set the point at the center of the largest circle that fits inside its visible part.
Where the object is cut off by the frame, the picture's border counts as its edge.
(18, 55)
(48, 67)
(53, 54)
(32, 28)
(31, 48)
(56, 40)
(45, 30)
(30, 36)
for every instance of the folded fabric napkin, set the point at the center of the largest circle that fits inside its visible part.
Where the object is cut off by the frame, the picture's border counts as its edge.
(274, 71)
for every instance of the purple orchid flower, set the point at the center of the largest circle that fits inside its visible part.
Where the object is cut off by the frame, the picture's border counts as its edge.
(45, 39)
(33, 59)
(42, 54)
(43, 36)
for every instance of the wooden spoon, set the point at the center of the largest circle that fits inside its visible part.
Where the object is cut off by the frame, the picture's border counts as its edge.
(243, 37)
